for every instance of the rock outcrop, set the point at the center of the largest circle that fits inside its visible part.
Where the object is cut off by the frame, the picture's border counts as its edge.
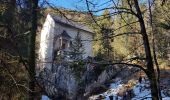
(60, 82)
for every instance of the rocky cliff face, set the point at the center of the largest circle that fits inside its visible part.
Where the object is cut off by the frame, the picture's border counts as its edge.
(62, 83)
(59, 82)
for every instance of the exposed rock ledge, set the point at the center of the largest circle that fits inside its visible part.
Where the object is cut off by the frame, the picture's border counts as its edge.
(61, 83)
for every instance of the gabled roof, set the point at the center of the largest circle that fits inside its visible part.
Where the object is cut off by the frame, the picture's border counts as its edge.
(65, 21)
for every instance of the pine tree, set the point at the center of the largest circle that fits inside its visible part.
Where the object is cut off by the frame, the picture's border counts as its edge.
(77, 48)
(105, 32)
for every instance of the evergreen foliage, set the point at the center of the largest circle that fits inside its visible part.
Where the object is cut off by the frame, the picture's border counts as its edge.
(77, 48)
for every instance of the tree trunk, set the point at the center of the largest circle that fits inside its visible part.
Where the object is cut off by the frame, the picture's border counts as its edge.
(32, 38)
(154, 51)
(149, 63)
(10, 17)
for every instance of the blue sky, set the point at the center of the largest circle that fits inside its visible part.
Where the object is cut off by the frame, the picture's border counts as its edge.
(79, 4)
(70, 4)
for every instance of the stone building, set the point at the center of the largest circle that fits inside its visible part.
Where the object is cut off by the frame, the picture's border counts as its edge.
(58, 33)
